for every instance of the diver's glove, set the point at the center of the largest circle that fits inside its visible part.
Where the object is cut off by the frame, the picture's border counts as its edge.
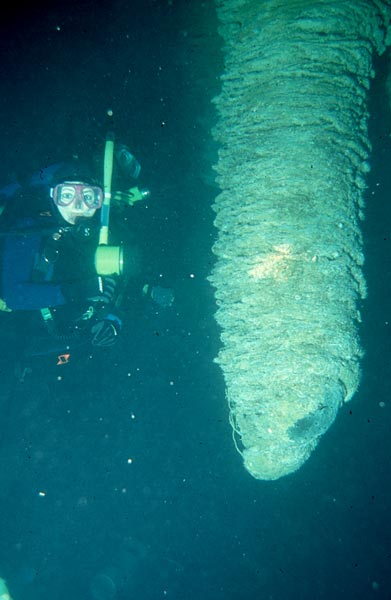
(106, 290)
(105, 332)
(161, 295)
(95, 289)
(131, 196)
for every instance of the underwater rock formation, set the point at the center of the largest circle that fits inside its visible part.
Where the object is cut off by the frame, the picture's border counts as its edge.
(293, 155)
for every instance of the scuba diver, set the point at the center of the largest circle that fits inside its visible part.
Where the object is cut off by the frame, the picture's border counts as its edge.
(58, 273)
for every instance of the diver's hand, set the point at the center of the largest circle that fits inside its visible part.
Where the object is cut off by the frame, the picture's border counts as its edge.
(95, 289)
(161, 295)
(106, 290)
(104, 333)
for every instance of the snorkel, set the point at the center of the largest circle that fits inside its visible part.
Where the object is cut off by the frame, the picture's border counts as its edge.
(108, 259)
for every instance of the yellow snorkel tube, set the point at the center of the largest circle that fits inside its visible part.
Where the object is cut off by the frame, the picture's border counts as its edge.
(108, 259)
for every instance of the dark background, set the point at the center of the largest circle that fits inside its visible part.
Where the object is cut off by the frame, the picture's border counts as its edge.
(183, 519)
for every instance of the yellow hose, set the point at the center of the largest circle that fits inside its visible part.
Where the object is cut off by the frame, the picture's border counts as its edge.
(107, 177)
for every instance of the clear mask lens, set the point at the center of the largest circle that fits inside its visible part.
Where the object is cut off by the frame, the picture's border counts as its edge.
(65, 194)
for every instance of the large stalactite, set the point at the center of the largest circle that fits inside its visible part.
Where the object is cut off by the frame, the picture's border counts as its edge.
(293, 156)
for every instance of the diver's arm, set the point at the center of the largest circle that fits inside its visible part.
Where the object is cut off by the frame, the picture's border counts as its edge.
(18, 291)
(33, 296)
(21, 293)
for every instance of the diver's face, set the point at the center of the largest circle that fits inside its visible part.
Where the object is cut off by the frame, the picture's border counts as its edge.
(76, 200)
(75, 211)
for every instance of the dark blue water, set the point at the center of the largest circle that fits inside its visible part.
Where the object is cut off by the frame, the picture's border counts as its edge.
(121, 462)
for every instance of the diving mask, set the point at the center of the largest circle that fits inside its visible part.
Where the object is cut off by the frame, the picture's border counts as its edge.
(64, 194)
